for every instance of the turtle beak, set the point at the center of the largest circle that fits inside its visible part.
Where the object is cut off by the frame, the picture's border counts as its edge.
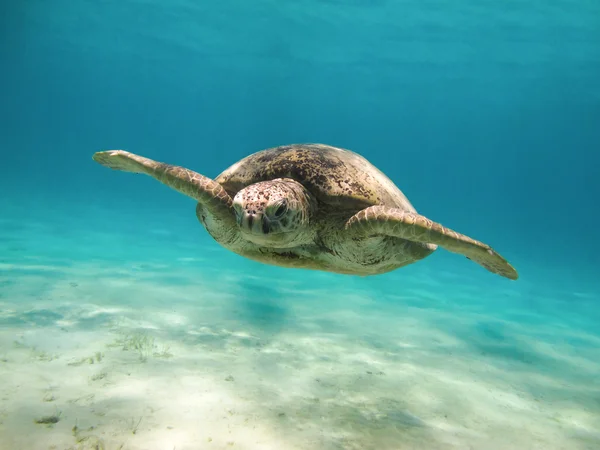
(254, 223)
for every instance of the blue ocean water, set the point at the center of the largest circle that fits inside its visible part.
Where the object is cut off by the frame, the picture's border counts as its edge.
(124, 325)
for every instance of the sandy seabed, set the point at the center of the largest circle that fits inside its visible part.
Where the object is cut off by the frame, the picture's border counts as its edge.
(184, 352)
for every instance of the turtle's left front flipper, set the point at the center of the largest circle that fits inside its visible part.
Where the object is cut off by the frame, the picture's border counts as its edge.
(210, 194)
(382, 220)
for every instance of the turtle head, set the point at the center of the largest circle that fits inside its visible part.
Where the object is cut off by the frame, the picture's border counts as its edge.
(274, 213)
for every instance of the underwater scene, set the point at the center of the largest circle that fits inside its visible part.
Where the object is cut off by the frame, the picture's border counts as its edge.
(411, 262)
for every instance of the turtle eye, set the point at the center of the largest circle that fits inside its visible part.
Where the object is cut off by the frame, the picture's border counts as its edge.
(281, 210)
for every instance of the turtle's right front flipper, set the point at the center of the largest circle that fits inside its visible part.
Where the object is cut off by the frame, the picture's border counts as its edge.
(381, 221)
(210, 194)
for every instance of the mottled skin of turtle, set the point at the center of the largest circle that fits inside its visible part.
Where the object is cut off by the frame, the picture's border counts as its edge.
(311, 206)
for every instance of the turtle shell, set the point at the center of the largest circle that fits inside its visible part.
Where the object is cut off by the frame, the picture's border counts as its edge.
(334, 176)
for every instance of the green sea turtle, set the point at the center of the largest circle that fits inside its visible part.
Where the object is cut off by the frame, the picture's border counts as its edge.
(311, 206)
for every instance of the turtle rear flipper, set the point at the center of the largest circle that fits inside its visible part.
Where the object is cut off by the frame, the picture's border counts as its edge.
(382, 220)
(211, 196)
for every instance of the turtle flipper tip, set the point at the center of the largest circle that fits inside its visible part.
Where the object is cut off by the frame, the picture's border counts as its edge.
(120, 160)
(495, 263)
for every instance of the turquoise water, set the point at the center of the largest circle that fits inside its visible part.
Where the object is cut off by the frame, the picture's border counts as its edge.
(128, 326)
